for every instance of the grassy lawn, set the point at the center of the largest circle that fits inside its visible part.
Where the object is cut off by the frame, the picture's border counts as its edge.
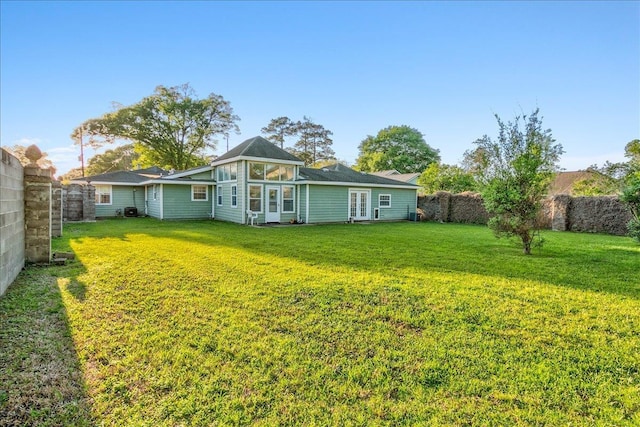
(207, 323)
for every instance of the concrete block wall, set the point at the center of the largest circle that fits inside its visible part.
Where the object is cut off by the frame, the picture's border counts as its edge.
(12, 233)
(37, 214)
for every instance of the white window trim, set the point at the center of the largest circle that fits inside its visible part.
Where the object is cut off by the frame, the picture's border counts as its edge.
(219, 195)
(261, 196)
(154, 191)
(380, 205)
(293, 198)
(98, 194)
(264, 172)
(236, 196)
(206, 193)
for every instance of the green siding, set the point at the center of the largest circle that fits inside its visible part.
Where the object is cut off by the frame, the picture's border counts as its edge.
(402, 202)
(153, 206)
(328, 203)
(122, 196)
(226, 212)
(177, 204)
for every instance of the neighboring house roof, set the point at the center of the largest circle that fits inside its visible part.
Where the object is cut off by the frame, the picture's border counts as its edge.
(395, 175)
(124, 177)
(564, 181)
(343, 174)
(257, 147)
(386, 173)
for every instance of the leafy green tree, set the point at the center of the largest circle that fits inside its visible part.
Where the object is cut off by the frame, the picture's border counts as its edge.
(19, 151)
(279, 128)
(631, 197)
(515, 172)
(172, 125)
(314, 142)
(611, 178)
(442, 177)
(396, 147)
(121, 158)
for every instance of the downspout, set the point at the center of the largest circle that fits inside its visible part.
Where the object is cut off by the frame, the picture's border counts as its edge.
(213, 194)
(161, 201)
(306, 214)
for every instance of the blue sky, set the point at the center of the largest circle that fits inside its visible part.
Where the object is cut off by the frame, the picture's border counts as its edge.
(444, 68)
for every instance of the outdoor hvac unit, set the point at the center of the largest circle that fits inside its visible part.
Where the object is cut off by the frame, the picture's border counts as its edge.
(130, 211)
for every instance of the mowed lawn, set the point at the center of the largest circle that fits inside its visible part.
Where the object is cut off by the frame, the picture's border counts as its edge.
(207, 323)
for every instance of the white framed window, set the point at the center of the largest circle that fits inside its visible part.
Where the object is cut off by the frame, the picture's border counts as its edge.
(199, 193)
(384, 200)
(155, 191)
(287, 198)
(227, 172)
(234, 196)
(270, 172)
(255, 198)
(103, 194)
(219, 194)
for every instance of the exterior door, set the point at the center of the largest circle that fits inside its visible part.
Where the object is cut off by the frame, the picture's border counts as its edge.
(359, 205)
(273, 205)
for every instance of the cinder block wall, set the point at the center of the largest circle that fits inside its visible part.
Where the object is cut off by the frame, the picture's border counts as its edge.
(11, 219)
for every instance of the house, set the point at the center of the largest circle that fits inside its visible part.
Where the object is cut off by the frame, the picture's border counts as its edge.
(256, 182)
(411, 178)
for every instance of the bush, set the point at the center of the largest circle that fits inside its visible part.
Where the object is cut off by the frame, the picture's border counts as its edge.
(631, 197)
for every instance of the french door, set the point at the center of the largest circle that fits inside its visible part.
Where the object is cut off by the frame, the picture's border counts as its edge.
(359, 204)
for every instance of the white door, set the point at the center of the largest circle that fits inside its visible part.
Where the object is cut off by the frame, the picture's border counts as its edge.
(273, 205)
(359, 205)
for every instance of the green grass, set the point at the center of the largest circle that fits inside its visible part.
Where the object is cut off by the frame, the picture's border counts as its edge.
(207, 323)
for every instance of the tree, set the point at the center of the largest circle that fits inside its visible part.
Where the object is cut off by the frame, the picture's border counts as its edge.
(515, 172)
(631, 197)
(19, 152)
(611, 178)
(442, 177)
(121, 158)
(172, 125)
(279, 128)
(314, 143)
(396, 147)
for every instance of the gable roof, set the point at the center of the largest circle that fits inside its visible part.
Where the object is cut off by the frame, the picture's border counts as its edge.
(343, 174)
(257, 147)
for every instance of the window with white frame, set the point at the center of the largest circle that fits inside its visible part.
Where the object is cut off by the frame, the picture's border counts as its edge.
(227, 172)
(384, 200)
(103, 194)
(155, 191)
(199, 193)
(234, 196)
(287, 198)
(219, 194)
(255, 198)
(270, 172)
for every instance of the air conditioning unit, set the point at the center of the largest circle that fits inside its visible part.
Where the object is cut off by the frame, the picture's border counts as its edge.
(130, 212)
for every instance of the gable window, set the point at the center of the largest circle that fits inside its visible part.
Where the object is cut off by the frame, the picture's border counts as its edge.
(384, 200)
(103, 194)
(256, 171)
(255, 198)
(227, 172)
(234, 196)
(270, 172)
(219, 194)
(199, 193)
(287, 198)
